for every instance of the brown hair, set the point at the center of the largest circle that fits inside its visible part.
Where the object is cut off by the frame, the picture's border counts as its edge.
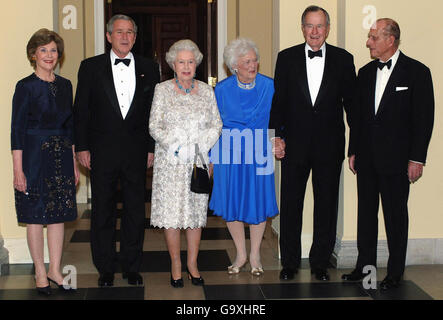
(41, 38)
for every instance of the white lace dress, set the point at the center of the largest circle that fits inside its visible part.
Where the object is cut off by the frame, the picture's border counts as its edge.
(179, 122)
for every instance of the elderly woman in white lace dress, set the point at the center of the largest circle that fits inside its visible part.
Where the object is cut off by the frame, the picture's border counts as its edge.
(184, 113)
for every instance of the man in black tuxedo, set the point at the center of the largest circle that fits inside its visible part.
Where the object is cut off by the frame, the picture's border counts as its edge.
(314, 81)
(111, 111)
(388, 146)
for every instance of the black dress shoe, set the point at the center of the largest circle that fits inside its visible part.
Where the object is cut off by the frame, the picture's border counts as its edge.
(134, 278)
(106, 280)
(390, 282)
(62, 288)
(194, 280)
(287, 273)
(355, 275)
(177, 283)
(320, 274)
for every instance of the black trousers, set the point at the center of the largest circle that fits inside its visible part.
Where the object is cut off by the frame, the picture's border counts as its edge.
(105, 174)
(394, 192)
(325, 183)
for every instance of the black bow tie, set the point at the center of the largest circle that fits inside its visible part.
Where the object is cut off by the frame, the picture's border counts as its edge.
(312, 54)
(381, 65)
(125, 61)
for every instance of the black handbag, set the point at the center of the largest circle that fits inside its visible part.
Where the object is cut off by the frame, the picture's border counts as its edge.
(201, 182)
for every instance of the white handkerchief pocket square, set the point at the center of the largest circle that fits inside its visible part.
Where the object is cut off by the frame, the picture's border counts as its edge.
(401, 88)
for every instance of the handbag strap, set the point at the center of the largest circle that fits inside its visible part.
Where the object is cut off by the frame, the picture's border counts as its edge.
(198, 154)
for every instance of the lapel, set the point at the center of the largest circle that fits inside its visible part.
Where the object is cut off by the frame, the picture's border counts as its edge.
(138, 85)
(108, 84)
(372, 79)
(326, 74)
(302, 75)
(397, 74)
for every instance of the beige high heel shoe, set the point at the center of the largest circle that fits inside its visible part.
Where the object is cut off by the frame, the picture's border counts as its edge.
(257, 271)
(236, 269)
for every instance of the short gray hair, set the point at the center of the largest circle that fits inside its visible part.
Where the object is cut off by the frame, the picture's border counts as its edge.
(110, 24)
(315, 9)
(391, 29)
(183, 45)
(236, 49)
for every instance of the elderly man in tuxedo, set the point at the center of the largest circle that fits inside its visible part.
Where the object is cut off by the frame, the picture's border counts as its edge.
(314, 82)
(111, 110)
(388, 146)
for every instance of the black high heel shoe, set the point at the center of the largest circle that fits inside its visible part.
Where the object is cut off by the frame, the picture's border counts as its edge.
(177, 283)
(61, 287)
(195, 281)
(46, 291)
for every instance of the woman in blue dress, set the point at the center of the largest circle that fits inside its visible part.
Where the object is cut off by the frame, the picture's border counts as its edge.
(45, 172)
(244, 190)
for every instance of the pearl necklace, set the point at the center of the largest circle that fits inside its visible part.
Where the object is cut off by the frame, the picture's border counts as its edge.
(246, 86)
(187, 91)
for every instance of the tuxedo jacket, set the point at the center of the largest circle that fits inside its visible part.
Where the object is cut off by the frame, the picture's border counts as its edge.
(99, 124)
(401, 129)
(312, 131)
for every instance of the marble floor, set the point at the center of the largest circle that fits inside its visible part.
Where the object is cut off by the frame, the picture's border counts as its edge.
(422, 282)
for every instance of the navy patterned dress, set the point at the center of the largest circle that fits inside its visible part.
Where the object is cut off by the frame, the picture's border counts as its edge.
(42, 126)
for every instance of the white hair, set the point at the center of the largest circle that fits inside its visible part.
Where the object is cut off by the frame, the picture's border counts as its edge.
(236, 49)
(183, 45)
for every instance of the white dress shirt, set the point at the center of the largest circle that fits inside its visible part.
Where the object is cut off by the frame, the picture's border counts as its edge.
(383, 78)
(124, 82)
(314, 70)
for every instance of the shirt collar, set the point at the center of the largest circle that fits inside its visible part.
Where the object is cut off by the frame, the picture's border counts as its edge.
(114, 56)
(394, 59)
(322, 48)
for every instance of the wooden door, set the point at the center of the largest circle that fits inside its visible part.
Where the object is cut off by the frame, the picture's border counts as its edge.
(163, 22)
(167, 29)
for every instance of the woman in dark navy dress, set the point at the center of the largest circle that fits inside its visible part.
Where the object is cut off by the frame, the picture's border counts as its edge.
(45, 172)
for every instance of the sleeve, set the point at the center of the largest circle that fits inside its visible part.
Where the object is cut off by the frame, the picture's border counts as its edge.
(157, 124)
(348, 88)
(156, 74)
(279, 100)
(355, 124)
(70, 124)
(212, 132)
(20, 108)
(422, 117)
(82, 108)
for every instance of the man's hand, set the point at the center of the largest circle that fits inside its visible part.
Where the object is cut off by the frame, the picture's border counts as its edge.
(150, 159)
(84, 157)
(278, 147)
(352, 164)
(415, 171)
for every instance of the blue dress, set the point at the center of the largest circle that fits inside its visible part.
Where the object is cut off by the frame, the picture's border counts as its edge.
(244, 188)
(42, 126)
